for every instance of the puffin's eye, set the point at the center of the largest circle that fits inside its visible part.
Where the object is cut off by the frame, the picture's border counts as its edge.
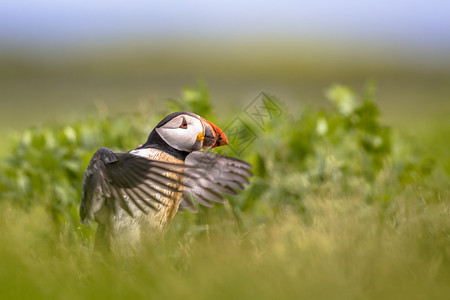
(183, 124)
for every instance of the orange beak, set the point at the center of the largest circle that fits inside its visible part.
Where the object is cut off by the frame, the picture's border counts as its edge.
(214, 136)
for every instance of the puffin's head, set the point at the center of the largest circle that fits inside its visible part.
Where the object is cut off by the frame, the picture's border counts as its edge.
(187, 132)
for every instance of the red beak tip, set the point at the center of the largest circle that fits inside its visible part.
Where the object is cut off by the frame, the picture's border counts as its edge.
(220, 137)
(223, 141)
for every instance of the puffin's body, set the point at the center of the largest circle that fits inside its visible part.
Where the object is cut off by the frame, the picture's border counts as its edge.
(122, 231)
(135, 195)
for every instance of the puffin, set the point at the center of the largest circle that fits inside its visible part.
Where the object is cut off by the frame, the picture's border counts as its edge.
(134, 196)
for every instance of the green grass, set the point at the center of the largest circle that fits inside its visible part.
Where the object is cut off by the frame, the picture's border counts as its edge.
(341, 249)
(340, 207)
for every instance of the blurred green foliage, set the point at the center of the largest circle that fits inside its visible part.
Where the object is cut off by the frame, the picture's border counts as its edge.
(331, 183)
(292, 154)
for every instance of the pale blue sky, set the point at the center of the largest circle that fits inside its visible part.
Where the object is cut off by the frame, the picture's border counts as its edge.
(44, 22)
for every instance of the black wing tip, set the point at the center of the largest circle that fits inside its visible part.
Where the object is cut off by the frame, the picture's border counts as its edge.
(106, 155)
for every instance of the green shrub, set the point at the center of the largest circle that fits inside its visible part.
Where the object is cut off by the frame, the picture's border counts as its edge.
(292, 155)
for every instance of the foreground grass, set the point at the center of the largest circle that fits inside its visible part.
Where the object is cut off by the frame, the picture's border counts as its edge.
(342, 248)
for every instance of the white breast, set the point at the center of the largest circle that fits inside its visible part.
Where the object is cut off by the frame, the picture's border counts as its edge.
(146, 152)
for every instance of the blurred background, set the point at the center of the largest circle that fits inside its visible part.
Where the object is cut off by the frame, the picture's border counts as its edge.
(58, 60)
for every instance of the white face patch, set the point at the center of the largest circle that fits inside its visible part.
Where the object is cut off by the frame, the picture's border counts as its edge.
(181, 132)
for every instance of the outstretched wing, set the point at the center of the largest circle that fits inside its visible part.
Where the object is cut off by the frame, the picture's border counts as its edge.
(126, 178)
(209, 175)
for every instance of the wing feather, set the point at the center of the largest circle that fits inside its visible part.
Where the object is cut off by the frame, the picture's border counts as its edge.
(131, 181)
(210, 176)
(126, 180)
